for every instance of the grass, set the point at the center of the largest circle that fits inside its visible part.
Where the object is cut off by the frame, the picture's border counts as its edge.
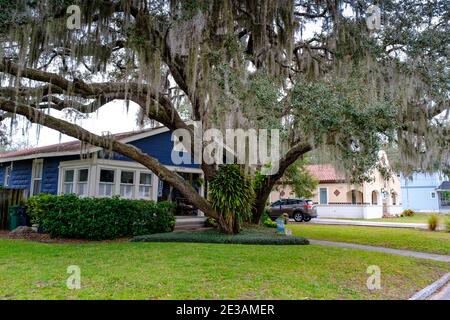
(125, 270)
(416, 218)
(250, 235)
(410, 239)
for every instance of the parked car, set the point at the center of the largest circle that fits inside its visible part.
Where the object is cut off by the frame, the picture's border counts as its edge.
(298, 209)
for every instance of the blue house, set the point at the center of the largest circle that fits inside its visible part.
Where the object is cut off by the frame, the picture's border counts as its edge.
(425, 192)
(71, 167)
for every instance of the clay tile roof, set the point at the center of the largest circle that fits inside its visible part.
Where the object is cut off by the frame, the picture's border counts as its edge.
(61, 147)
(325, 173)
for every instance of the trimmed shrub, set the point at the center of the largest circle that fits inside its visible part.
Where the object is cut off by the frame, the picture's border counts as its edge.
(38, 206)
(408, 213)
(261, 236)
(270, 223)
(70, 216)
(433, 221)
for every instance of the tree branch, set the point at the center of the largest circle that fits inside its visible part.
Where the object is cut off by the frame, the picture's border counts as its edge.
(127, 150)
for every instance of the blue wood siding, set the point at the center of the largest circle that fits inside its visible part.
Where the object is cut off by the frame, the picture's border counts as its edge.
(2, 173)
(51, 172)
(158, 146)
(417, 191)
(21, 174)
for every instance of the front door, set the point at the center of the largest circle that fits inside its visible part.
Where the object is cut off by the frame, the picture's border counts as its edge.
(323, 196)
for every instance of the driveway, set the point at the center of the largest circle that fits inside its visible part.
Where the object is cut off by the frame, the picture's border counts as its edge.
(368, 223)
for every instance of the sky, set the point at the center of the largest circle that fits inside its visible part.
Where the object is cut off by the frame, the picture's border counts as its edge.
(112, 117)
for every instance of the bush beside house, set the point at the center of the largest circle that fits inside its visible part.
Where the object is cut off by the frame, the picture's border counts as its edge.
(70, 216)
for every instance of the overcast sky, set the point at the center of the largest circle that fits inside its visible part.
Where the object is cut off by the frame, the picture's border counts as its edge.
(111, 117)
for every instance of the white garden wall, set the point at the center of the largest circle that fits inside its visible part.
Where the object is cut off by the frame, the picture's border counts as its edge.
(350, 211)
(394, 210)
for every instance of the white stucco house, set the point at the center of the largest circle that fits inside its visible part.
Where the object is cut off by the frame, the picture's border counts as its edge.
(336, 197)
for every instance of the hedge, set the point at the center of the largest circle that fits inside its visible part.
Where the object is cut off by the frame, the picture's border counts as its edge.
(70, 216)
(261, 236)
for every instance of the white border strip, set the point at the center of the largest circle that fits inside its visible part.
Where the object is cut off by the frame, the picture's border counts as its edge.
(432, 288)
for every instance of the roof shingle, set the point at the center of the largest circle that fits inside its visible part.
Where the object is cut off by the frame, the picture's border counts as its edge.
(325, 173)
(62, 147)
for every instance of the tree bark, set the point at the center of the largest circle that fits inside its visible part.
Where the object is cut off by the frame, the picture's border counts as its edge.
(263, 192)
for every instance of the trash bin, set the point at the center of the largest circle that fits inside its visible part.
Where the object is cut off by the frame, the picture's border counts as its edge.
(13, 217)
(24, 219)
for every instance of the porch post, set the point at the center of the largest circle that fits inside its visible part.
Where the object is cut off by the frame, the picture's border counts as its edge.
(155, 186)
(201, 191)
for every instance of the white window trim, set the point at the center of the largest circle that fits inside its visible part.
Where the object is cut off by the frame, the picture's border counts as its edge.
(75, 181)
(33, 171)
(7, 177)
(128, 184)
(138, 184)
(115, 184)
(64, 178)
(431, 195)
(95, 165)
(76, 165)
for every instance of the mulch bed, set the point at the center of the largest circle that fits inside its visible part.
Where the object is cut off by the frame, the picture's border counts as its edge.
(45, 238)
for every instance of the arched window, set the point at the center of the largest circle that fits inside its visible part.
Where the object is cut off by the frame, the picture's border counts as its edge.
(374, 197)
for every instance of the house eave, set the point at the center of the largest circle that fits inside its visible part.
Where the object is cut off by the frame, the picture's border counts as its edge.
(132, 138)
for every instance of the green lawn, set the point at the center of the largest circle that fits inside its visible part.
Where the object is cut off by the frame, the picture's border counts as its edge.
(123, 270)
(411, 239)
(416, 218)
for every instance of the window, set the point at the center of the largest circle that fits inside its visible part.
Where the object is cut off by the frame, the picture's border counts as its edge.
(82, 182)
(68, 181)
(353, 196)
(8, 171)
(36, 177)
(276, 203)
(323, 196)
(106, 185)
(433, 195)
(126, 184)
(145, 185)
(75, 181)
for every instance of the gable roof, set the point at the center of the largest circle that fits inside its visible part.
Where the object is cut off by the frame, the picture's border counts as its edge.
(445, 185)
(73, 147)
(325, 173)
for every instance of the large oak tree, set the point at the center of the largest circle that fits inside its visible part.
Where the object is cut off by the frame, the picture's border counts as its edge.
(310, 68)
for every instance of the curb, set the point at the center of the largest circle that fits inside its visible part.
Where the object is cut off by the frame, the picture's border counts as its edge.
(432, 288)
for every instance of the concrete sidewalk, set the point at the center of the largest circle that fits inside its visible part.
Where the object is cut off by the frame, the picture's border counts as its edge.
(368, 223)
(443, 294)
(438, 290)
(407, 253)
